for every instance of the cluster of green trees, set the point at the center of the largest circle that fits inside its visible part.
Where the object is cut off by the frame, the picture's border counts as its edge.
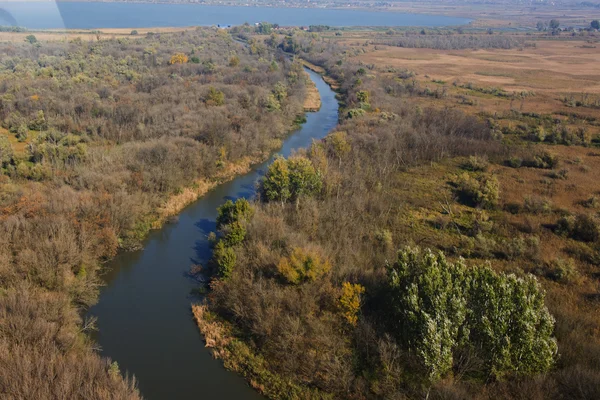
(438, 309)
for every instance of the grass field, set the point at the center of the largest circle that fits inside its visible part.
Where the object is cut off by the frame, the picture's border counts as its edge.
(536, 78)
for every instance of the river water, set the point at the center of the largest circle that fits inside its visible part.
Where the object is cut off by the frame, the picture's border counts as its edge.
(91, 15)
(144, 315)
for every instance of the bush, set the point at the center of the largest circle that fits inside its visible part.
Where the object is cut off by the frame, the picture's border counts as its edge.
(476, 164)
(515, 162)
(303, 265)
(482, 191)
(583, 227)
(544, 160)
(563, 271)
(561, 174)
(586, 228)
(537, 205)
(438, 307)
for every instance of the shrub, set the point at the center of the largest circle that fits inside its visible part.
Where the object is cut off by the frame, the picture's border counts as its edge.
(544, 160)
(561, 174)
(482, 191)
(384, 238)
(303, 265)
(515, 162)
(582, 227)
(537, 205)
(215, 97)
(476, 164)
(438, 307)
(563, 271)
(6, 151)
(355, 113)
(586, 228)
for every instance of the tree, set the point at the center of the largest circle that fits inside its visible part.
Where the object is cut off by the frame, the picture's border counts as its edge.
(276, 183)
(429, 308)
(215, 97)
(554, 24)
(541, 26)
(595, 24)
(178, 58)
(31, 39)
(134, 32)
(264, 28)
(280, 91)
(437, 308)
(6, 151)
(231, 212)
(224, 259)
(234, 61)
(304, 179)
(350, 301)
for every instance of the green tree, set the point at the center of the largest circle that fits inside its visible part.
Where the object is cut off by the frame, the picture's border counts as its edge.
(595, 24)
(429, 307)
(31, 39)
(265, 28)
(276, 183)
(235, 233)
(510, 327)
(554, 24)
(272, 104)
(304, 179)
(280, 91)
(6, 151)
(215, 97)
(438, 307)
(231, 212)
(224, 259)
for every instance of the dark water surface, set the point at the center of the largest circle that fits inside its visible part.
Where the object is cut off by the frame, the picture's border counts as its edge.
(90, 15)
(144, 316)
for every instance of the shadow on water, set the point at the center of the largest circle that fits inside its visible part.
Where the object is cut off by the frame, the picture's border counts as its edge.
(143, 314)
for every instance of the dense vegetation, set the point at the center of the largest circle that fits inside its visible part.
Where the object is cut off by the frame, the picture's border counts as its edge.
(96, 138)
(325, 285)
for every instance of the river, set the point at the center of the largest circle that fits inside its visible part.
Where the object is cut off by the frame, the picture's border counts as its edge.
(144, 317)
(92, 15)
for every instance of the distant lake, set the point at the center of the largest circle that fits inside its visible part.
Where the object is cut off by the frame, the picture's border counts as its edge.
(88, 15)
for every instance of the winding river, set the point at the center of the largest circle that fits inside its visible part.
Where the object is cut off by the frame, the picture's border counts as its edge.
(144, 316)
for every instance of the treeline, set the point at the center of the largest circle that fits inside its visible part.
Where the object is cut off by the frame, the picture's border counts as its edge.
(96, 137)
(325, 287)
(454, 42)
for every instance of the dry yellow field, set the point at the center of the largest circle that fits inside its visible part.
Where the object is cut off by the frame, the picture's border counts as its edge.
(89, 35)
(548, 71)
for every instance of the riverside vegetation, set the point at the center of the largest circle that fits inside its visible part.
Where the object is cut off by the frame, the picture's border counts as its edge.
(99, 142)
(419, 251)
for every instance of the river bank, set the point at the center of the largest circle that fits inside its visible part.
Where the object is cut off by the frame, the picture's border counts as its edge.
(143, 313)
